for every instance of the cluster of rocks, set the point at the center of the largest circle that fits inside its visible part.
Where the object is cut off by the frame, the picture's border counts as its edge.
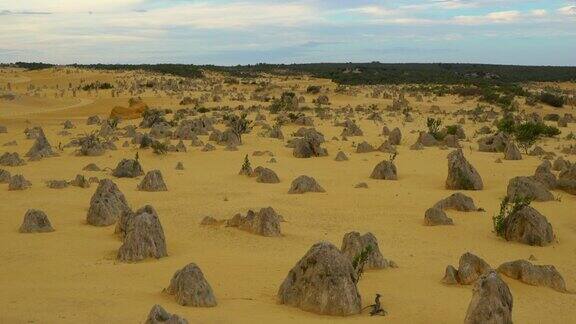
(437, 216)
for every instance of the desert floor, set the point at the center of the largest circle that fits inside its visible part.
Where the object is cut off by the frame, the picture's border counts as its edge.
(71, 275)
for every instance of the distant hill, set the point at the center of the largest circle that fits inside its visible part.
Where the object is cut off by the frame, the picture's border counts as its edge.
(362, 73)
(396, 73)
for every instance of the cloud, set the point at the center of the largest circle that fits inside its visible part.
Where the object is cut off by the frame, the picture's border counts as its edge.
(206, 15)
(568, 10)
(214, 31)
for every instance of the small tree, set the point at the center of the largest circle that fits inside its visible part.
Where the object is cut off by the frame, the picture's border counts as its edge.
(360, 260)
(434, 127)
(246, 167)
(159, 148)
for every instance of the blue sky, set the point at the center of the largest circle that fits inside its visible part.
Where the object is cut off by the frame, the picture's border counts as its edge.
(228, 32)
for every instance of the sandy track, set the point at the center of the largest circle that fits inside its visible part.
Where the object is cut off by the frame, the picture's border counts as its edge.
(83, 102)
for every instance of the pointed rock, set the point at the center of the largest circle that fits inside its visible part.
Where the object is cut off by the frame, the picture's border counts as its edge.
(107, 204)
(144, 237)
(322, 282)
(35, 221)
(153, 181)
(190, 288)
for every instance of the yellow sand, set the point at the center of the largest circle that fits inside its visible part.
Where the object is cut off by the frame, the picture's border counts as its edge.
(71, 276)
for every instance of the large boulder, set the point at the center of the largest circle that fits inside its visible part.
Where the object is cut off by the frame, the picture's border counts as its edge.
(512, 152)
(80, 181)
(457, 201)
(158, 315)
(544, 175)
(470, 268)
(353, 244)
(364, 147)
(190, 288)
(153, 181)
(526, 187)
(560, 164)
(528, 226)
(265, 175)
(266, 222)
(304, 184)
(128, 168)
(41, 147)
(426, 139)
(351, 129)
(536, 275)
(435, 217)
(309, 146)
(5, 176)
(35, 221)
(461, 174)
(18, 182)
(341, 156)
(11, 159)
(106, 205)
(385, 170)
(567, 180)
(395, 136)
(323, 282)
(493, 143)
(144, 237)
(491, 301)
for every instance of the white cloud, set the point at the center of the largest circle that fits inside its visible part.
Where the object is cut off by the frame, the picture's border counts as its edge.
(67, 6)
(205, 15)
(374, 11)
(539, 13)
(500, 17)
(568, 11)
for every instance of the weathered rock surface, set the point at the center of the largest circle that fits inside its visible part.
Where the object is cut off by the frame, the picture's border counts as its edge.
(128, 168)
(512, 152)
(153, 181)
(435, 217)
(323, 282)
(525, 187)
(35, 221)
(190, 288)
(11, 159)
(265, 222)
(528, 226)
(18, 182)
(536, 275)
(159, 315)
(353, 244)
(385, 170)
(144, 237)
(107, 204)
(265, 175)
(470, 268)
(457, 201)
(491, 301)
(304, 184)
(461, 174)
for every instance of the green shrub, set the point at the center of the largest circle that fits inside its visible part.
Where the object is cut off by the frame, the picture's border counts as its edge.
(529, 132)
(507, 208)
(159, 147)
(360, 260)
(506, 124)
(434, 127)
(552, 99)
(313, 89)
(451, 129)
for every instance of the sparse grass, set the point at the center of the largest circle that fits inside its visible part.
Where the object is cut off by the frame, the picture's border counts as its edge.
(360, 260)
(507, 208)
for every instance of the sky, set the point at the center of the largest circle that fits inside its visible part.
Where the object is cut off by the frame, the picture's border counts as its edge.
(226, 32)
